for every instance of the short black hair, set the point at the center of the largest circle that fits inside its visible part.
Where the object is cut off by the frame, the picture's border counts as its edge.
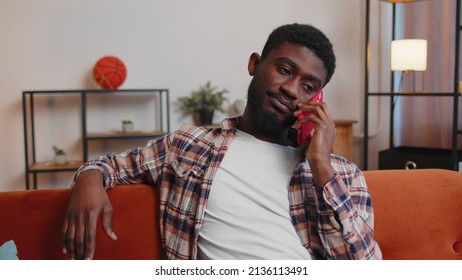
(305, 35)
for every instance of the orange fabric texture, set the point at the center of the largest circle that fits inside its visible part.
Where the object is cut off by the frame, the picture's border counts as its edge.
(33, 219)
(418, 213)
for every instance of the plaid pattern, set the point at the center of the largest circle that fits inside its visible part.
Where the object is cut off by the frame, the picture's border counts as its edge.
(334, 221)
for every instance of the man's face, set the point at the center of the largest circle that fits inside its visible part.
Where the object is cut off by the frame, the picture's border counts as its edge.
(289, 75)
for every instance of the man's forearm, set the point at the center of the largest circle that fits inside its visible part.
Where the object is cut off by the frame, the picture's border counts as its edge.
(346, 227)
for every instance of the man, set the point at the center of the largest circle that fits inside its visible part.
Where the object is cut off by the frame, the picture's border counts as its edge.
(245, 190)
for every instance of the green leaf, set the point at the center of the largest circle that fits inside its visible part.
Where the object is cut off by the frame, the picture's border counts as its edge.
(206, 97)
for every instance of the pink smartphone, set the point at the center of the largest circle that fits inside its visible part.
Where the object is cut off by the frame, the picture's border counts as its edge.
(306, 128)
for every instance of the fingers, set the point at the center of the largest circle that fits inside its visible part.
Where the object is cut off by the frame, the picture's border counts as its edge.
(64, 235)
(90, 234)
(107, 222)
(79, 246)
(314, 112)
(78, 235)
(318, 108)
(73, 236)
(68, 236)
(323, 135)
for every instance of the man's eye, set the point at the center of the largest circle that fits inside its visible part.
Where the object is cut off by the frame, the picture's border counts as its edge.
(284, 71)
(308, 88)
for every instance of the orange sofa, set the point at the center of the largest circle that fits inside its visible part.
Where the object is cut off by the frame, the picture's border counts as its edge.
(418, 215)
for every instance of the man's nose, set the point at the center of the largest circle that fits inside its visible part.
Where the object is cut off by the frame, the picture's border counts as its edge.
(291, 87)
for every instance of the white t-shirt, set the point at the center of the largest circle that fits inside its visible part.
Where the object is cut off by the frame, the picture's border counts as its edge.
(247, 213)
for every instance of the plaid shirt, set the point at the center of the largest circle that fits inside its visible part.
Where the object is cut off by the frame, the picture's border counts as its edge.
(334, 221)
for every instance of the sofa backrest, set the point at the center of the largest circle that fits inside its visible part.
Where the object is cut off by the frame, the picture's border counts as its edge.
(33, 220)
(418, 213)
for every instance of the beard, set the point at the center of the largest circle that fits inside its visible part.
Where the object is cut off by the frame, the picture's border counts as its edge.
(269, 121)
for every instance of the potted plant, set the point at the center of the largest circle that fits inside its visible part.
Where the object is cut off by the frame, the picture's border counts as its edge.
(127, 126)
(203, 102)
(60, 155)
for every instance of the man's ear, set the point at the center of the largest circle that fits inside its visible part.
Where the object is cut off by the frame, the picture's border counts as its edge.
(254, 60)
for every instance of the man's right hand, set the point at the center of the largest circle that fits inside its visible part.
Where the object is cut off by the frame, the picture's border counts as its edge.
(88, 201)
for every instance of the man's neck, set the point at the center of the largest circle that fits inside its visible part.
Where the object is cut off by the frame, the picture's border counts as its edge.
(248, 125)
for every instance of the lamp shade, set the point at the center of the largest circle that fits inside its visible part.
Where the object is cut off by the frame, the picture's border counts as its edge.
(409, 55)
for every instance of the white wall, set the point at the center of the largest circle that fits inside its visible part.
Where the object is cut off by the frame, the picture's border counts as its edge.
(175, 44)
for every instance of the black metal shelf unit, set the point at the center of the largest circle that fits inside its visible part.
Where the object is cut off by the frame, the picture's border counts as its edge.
(453, 152)
(34, 167)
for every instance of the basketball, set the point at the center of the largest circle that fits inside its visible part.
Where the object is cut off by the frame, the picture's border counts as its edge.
(109, 72)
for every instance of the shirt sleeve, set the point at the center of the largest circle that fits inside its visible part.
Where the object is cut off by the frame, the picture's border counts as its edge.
(134, 166)
(346, 218)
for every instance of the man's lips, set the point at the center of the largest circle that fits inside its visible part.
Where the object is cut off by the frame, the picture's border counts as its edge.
(281, 103)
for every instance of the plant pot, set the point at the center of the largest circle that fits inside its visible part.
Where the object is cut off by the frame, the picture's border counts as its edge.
(127, 127)
(203, 117)
(60, 159)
